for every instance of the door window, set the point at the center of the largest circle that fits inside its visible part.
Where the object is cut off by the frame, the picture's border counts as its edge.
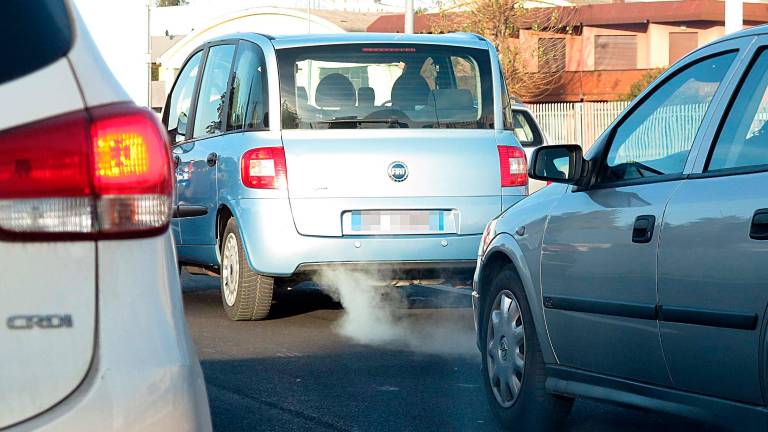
(209, 115)
(525, 130)
(743, 140)
(248, 101)
(181, 98)
(654, 140)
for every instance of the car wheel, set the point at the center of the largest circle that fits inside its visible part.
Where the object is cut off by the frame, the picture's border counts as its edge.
(246, 294)
(513, 366)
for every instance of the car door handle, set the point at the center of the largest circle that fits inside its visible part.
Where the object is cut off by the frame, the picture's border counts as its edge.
(211, 159)
(759, 228)
(642, 232)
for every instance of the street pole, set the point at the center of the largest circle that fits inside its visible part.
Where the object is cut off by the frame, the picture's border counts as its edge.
(408, 16)
(734, 16)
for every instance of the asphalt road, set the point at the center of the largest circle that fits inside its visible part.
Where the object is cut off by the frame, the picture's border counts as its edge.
(296, 371)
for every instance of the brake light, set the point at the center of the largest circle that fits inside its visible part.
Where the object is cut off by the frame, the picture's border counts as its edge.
(264, 168)
(99, 173)
(513, 165)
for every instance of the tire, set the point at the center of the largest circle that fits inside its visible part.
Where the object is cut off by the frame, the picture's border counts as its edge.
(532, 408)
(245, 294)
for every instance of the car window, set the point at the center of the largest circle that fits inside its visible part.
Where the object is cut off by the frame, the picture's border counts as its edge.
(39, 30)
(743, 138)
(656, 137)
(178, 109)
(524, 128)
(405, 85)
(248, 101)
(209, 114)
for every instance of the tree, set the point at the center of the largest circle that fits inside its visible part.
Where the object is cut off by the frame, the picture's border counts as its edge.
(638, 86)
(533, 65)
(164, 3)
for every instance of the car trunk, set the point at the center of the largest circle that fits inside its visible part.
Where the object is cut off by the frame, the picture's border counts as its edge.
(443, 181)
(47, 288)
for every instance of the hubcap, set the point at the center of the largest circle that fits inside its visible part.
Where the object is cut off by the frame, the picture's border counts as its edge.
(230, 269)
(505, 356)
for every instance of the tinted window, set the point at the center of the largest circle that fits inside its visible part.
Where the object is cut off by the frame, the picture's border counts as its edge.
(39, 32)
(656, 137)
(374, 86)
(209, 114)
(181, 98)
(248, 94)
(743, 139)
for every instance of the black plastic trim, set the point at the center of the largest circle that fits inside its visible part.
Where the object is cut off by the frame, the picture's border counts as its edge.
(731, 320)
(628, 310)
(672, 314)
(187, 211)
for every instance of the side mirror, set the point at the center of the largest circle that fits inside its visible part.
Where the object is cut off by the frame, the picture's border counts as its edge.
(180, 131)
(556, 163)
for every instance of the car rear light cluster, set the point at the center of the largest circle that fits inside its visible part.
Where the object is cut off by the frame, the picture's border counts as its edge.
(513, 165)
(99, 173)
(264, 168)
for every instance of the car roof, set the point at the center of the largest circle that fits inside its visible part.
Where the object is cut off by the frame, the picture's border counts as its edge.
(469, 40)
(752, 31)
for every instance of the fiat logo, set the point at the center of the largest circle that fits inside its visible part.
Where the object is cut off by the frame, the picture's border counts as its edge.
(398, 171)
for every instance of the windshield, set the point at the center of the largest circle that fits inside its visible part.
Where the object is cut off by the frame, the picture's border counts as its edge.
(385, 86)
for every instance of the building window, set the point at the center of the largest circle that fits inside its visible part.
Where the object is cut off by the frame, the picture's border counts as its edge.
(681, 44)
(614, 52)
(551, 54)
(155, 71)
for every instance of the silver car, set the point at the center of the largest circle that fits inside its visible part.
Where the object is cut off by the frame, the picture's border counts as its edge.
(92, 330)
(298, 153)
(639, 277)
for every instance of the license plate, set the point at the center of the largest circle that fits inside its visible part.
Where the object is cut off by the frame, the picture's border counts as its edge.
(383, 222)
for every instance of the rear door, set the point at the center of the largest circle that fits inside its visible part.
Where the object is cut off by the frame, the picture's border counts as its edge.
(47, 289)
(387, 139)
(713, 254)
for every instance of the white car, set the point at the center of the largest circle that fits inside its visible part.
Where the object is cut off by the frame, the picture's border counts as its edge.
(92, 329)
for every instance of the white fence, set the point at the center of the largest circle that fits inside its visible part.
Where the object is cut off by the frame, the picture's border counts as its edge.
(576, 123)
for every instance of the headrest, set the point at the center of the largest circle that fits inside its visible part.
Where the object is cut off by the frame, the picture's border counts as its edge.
(451, 99)
(409, 90)
(366, 96)
(335, 91)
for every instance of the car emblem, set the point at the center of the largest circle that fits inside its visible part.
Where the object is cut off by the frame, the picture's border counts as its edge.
(398, 171)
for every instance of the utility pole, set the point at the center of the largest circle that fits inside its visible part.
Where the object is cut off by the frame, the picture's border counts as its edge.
(734, 16)
(408, 16)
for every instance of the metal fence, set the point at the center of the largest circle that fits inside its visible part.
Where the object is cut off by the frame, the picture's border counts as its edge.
(576, 123)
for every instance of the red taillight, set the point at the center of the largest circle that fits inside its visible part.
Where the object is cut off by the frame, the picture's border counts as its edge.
(513, 165)
(100, 173)
(264, 168)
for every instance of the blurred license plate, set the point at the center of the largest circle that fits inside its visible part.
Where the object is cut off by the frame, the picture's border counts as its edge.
(366, 222)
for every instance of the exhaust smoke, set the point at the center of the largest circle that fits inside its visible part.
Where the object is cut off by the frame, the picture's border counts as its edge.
(376, 313)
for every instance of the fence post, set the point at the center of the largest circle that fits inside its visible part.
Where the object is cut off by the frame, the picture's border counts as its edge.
(578, 114)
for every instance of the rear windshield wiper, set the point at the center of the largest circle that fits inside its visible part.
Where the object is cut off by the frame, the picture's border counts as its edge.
(391, 121)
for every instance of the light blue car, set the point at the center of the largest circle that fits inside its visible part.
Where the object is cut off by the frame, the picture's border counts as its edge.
(295, 154)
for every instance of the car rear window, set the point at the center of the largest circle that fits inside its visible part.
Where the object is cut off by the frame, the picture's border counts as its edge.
(353, 86)
(39, 30)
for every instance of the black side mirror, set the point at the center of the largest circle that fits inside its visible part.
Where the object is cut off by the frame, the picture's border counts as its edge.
(556, 163)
